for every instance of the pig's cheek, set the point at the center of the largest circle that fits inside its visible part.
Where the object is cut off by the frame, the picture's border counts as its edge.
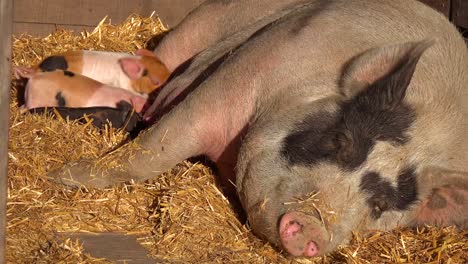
(302, 235)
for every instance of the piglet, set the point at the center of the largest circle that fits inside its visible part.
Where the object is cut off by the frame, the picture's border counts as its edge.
(137, 73)
(66, 89)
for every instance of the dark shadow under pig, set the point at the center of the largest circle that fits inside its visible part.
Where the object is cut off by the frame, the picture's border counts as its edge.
(331, 116)
(123, 116)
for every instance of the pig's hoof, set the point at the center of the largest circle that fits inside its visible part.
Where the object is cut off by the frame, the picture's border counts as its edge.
(77, 174)
(303, 235)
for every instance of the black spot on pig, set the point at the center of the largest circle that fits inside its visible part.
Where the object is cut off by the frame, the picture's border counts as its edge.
(68, 73)
(60, 100)
(347, 137)
(318, 139)
(384, 196)
(377, 113)
(145, 72)
(53, 63)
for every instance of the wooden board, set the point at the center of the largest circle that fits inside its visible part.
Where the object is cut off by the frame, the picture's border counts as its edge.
(6, 19)
(460, 13)
(39, 18)
(116, 247)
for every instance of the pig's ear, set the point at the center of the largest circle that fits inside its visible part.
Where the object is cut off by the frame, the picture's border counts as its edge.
(23, 72)
(388, 68)
(444, 198)
(133, 67)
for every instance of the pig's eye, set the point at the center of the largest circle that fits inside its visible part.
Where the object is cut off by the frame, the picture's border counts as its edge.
(332, 143)
(328, 145)
(344, 149)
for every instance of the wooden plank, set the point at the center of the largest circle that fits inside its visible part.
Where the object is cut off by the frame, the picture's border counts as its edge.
(460, 13)
(6, 20)
(76, 14)
(443, 6)
(116, 247)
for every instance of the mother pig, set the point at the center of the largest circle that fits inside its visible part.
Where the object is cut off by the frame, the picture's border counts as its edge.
(332, 116)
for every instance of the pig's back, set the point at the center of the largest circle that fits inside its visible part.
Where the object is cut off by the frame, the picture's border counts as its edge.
(345, 28)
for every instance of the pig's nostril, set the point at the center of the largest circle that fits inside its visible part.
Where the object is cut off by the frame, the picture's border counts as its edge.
(292, 228)
(311, 249)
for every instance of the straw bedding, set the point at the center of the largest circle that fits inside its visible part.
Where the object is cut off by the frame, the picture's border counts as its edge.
(179, 217)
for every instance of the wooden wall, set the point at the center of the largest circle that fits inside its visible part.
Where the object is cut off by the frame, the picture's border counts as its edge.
(443, 6)
(460, 13)
(6, 18)
(40, 17)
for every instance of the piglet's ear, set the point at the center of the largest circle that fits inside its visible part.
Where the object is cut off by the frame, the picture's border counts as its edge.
(444, 198)
(132, 67)
(388, 68)
(145, 52)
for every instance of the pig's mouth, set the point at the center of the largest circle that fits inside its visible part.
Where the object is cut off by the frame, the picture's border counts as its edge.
(303, 235)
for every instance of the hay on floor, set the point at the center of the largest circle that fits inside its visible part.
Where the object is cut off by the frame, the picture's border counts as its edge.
(180, 216)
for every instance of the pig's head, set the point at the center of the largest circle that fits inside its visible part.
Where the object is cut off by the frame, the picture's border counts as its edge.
(146, 71)
(352, 161)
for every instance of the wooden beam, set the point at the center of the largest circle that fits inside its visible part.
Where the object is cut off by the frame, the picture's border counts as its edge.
(460, 13)
(443, 6)
(6, 22)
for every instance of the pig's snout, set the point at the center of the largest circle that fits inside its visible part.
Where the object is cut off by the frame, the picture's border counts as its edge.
(303, 235)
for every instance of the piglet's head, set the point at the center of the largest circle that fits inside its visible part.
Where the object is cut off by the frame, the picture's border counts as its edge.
(146, 71)
(352, 162)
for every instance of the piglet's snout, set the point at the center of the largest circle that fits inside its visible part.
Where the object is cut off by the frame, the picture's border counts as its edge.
(303, 235)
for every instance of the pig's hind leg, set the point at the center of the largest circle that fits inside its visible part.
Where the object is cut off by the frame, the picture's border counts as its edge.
(213, 21)
(154, 151)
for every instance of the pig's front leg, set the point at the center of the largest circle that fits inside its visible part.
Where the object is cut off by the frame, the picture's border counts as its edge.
(175, 138)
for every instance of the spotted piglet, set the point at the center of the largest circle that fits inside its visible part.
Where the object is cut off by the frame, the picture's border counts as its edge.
(66, 89)
(137, 73)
